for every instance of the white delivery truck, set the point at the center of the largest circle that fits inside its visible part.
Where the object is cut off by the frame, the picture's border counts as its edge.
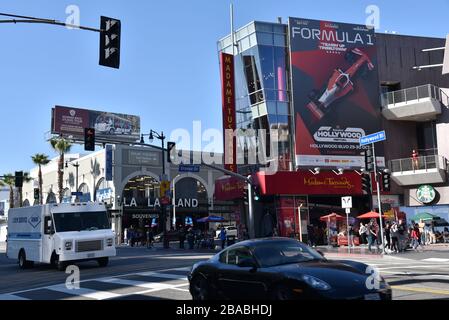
(60, 234)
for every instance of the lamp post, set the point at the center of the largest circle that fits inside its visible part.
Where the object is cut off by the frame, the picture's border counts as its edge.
(161, 137)
(76, 165)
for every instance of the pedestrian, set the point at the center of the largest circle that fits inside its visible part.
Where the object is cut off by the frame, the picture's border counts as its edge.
(362, 233)
(388, 236)
(125, 235)
(394, 237)
(223, 237)
(351, 235)
(182, 237)
(432, 236)
(311, 234)
(415, 157)
(402, 236)
(422, 233)
(131, 236)
(191, 239)
(150, 238)
(415, 236)
(370, 234)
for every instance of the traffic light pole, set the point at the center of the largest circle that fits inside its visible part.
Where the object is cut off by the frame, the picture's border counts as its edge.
(378, 199)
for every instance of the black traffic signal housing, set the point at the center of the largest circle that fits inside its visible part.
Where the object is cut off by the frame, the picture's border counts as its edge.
(369, 160)
(19, 179)
(366, 183)
(89, 139)
(110, 37)
(386, 181)
(170, 147)
(36, 193)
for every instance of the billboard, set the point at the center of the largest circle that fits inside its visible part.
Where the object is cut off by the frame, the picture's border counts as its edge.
(335, 87)
(70, 122)
(228, 104)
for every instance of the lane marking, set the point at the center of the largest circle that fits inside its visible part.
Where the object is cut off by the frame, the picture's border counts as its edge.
(141, 284)
(422, 290)
(11, 297)
(436, 260)
(83, 292)
(163, 275)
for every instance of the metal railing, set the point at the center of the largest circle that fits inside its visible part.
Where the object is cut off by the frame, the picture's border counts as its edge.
(419, 163)
(415, 93)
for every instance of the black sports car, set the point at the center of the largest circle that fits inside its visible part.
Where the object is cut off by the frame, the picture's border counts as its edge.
(283, 269)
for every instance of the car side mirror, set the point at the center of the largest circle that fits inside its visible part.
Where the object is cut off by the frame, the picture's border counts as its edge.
(247, 263)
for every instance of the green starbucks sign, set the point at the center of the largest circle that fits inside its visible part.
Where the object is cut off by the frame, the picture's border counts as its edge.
(426, 194)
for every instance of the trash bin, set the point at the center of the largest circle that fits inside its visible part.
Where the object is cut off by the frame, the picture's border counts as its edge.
(230, 240)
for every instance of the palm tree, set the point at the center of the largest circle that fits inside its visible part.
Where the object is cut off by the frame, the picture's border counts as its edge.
(26, 178)
(40, 160)
(61, 146)
(9, 180)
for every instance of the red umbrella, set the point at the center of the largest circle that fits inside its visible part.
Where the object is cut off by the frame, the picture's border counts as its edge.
(332, 216)
(371, 215)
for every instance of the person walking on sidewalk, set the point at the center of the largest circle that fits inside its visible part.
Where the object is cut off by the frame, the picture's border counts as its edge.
(415, 237)
(371, 235)
(362, 233)
(182, 237)
(223, 237)
(394, 237)
(387, 232)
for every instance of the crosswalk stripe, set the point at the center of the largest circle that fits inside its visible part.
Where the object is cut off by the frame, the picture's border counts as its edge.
(423, 290)
(162, 275)
(435, 260)
(11, 297)
(83, 292)
(141, 284)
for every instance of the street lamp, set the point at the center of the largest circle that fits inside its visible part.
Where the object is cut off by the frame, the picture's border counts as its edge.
(76, 165)
(161, 137)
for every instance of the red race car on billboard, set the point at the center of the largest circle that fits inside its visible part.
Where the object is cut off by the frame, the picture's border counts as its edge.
(340, 83)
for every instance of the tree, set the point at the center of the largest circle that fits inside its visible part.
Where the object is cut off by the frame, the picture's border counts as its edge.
(26, 178)
(9, 180)
(40, 160)
(61, 146)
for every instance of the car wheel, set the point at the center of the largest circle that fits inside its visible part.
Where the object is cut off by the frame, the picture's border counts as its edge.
(103, 262)
(282, 292)
(200, 290)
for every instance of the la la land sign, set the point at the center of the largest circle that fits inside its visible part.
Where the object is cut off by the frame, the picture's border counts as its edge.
(156, 203)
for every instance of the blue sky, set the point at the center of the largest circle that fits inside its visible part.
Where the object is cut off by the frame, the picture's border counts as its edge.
(169, 71)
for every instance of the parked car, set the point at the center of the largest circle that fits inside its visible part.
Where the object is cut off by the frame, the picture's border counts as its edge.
(172, 236)
(231, 231)
(282, 269)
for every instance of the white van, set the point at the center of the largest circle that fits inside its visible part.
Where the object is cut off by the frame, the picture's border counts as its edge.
(59, 234)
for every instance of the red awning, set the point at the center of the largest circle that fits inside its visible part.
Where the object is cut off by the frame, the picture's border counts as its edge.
(371, 215)
(332, 216)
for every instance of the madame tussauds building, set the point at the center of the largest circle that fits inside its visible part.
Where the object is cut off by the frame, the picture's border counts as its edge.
(128, 180)
(320, 86)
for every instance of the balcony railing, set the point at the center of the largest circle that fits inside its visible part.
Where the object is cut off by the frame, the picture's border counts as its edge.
(420, 163)
(413, 94)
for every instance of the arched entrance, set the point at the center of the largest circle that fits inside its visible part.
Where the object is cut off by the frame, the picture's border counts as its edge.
(86, 197)
(192, 202)
(141, 205)
(51, 198)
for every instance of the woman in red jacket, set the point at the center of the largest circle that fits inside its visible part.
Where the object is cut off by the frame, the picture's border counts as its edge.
(415, 235)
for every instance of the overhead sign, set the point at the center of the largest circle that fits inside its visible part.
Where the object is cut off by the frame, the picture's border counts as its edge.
(346, 202)
(108, 160)
(373, 138)
(446, 57)
(228, 104)
(335, 88)
(71, 122)
(189, 168)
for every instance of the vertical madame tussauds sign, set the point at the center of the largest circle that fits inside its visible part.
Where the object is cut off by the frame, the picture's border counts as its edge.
(228, 103)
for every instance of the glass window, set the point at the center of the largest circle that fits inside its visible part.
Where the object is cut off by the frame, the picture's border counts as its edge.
(238, 254)
(265, 39)
(282, 108)
(279, 40)
(271, 108)
(244, 44)
(278, 28)
(265, 27)
(251, 28)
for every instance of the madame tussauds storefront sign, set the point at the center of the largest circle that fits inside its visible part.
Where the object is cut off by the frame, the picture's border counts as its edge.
(156, 203)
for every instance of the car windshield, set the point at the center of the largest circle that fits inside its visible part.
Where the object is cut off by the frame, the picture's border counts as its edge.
(81, 221)
(277, 253)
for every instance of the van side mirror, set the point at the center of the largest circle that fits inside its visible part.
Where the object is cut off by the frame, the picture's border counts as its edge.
(49, 226)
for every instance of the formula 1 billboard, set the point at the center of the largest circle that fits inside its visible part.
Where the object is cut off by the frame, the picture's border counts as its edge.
(70, 122)
(335, 86)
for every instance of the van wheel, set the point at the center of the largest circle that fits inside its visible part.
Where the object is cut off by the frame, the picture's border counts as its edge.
(60, 265)
(103, 262)
(22, 260)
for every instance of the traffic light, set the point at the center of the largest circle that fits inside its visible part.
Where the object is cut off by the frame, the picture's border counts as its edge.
(89, 139)
(170, 147)
(19, 179)
(110, 42)
(256, 190)
(386, 177)
(369, 160)
(36, 193)
(366, 183)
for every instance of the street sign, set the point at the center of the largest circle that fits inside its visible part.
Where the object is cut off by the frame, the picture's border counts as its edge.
(346, 202)
(373, 138)
(77, 194)
(348, 210)
(189, 168)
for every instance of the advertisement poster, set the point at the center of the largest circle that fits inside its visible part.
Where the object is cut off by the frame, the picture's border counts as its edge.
(335, 86)
(70, 122)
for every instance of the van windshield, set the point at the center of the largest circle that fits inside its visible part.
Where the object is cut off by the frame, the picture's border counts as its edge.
(81, 221)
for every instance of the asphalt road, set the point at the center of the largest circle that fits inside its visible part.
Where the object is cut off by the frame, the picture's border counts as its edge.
(142, 274)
